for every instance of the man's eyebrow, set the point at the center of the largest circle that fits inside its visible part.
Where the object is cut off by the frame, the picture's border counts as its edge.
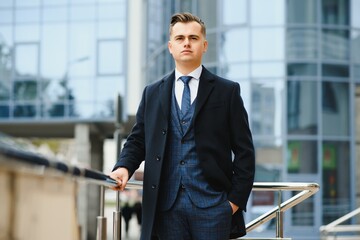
(182, 35)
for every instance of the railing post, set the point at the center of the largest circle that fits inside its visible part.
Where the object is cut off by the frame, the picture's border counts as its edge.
(279, 219)
(101, 220)
(117, 219)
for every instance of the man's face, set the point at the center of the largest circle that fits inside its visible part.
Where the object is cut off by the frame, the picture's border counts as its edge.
(187, 44)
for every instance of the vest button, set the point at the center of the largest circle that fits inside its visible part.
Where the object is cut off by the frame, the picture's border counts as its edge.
(183, 122)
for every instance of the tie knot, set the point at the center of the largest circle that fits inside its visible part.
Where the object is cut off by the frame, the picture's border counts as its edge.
(186, 79)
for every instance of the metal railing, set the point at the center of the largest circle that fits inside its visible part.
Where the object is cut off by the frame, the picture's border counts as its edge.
(92, 176)
(333, 228)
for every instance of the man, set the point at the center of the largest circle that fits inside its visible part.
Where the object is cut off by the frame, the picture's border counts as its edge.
(194, 136)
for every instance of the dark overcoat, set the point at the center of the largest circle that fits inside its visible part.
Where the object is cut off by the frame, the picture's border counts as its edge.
(222, 137)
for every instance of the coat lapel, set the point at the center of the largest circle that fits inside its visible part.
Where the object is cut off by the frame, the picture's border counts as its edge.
(165, 92)
(206, 85)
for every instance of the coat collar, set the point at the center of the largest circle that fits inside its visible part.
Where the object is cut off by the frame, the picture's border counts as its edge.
(206, 85)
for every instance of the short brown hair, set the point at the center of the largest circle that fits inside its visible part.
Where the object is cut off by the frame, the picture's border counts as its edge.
(186, 17)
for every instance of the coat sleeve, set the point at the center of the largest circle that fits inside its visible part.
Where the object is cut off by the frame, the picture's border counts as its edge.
(243, 150)
(133, 152)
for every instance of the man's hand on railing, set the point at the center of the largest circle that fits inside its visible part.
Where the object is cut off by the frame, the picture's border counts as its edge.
(121, 176)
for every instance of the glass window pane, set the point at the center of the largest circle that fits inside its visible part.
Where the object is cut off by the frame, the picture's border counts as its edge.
(335, 12)
(232, 38)
(53, 14)
(301, 43)
(54, 43)
(82, 51)
(267, 70)
(112, 30)
(54, 3)
(27, 3)
(6, 16)
(301, 69)
(112, 11)
(335, 44)
(302, 107)
(114, 50)
(105, 109)
(260, 14)
(355, 13)
(6, 3)
(26, 60)
(304, 11)
(25, 90)
(82, 109)
(27, 33)
(212, 52)
(336, 179)
(82, 90)
(303, 214)
(262, 39)
(236, 71)
(335, 109)
(107, 88)
(355, 46)
(207, 11)
(82, 12)
(4, 111)
(335, 70)
(27, 15)
(302, 157)
(4, 89)
(267, 107)
(27, 110)
(235, 12)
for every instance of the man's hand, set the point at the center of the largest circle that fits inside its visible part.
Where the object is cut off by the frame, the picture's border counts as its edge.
(121, 175)
(234, 207)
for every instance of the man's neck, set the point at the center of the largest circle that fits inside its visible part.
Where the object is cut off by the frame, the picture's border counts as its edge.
(186, 69)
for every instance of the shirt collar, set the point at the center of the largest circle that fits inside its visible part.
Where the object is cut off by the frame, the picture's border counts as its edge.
(195, 74)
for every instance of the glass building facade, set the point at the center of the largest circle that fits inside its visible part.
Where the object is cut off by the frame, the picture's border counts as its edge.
(61, 59)
(298, 65)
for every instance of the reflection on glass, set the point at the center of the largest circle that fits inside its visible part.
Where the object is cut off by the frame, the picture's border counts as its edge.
(355, 45)
(336, 180)
(263, 38)
(211, 53)
(301, 69)
(335, 12)
(25, 90)
(105, 109)
(301, 43)
(27, 15)
(335, 44)
(302, 156)
(26, 60)
(4, 90)
(356, 71)
(108, 87)
(235, 37)
(54, 43)
(6, 16)
(335, 109)
(304, 11)
(83, 109)
(208, 12)
(82, 89)
(267, 69)
(266, 108)
(302, 107)
(355, 14)
(235, 71)
(335, 70)
(303, 214)
(4, 111)
(110, 49)
(234, 12)
(24, 110)
(260, 14)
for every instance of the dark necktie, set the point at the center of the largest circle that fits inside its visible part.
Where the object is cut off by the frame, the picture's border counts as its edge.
(186, 100)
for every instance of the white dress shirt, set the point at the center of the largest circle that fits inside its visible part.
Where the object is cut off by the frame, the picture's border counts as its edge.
(193, 84)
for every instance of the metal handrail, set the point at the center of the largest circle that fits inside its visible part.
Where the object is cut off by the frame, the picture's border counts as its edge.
(334, 227)
(306, 190)
(96, 177)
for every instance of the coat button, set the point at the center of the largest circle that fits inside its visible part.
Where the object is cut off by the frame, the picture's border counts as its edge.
(182, 162)
(158, 158)
(164, 131)
(153, 186)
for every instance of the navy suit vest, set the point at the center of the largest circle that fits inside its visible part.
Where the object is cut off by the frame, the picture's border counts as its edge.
(181, 168)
